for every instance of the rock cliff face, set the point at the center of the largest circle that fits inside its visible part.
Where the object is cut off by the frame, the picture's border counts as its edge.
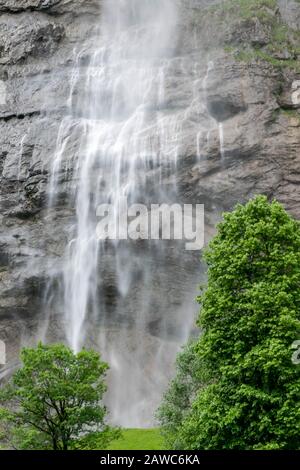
(37, 44)
(241, 63)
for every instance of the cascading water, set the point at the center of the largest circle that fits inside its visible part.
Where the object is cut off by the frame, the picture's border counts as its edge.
(129, 145)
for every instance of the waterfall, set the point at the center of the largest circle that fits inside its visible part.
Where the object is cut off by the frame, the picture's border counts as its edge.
(123, 86)
(128, 146)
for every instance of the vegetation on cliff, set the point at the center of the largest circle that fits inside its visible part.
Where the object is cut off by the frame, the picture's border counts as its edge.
(254, 30)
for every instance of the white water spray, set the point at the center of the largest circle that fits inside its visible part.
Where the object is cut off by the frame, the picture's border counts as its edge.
(129, 147)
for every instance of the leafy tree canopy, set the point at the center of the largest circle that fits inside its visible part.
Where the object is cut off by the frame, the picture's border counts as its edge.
(54, 401)
(248, 387)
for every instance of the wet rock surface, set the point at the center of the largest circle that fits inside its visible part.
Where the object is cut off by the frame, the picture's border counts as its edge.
(256, 103)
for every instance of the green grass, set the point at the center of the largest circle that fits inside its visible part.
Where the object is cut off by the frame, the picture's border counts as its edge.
(138, 439)
(256, 54)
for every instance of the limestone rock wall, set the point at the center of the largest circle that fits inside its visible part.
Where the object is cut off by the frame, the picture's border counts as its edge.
(254, 96)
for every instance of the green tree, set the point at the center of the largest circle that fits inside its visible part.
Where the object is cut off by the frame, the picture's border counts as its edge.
(180, 394)
(249, 396)
(54, 401)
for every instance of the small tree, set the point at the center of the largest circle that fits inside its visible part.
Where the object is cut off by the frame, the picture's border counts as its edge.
(180, 395)
(54, 401)
(250, 389)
